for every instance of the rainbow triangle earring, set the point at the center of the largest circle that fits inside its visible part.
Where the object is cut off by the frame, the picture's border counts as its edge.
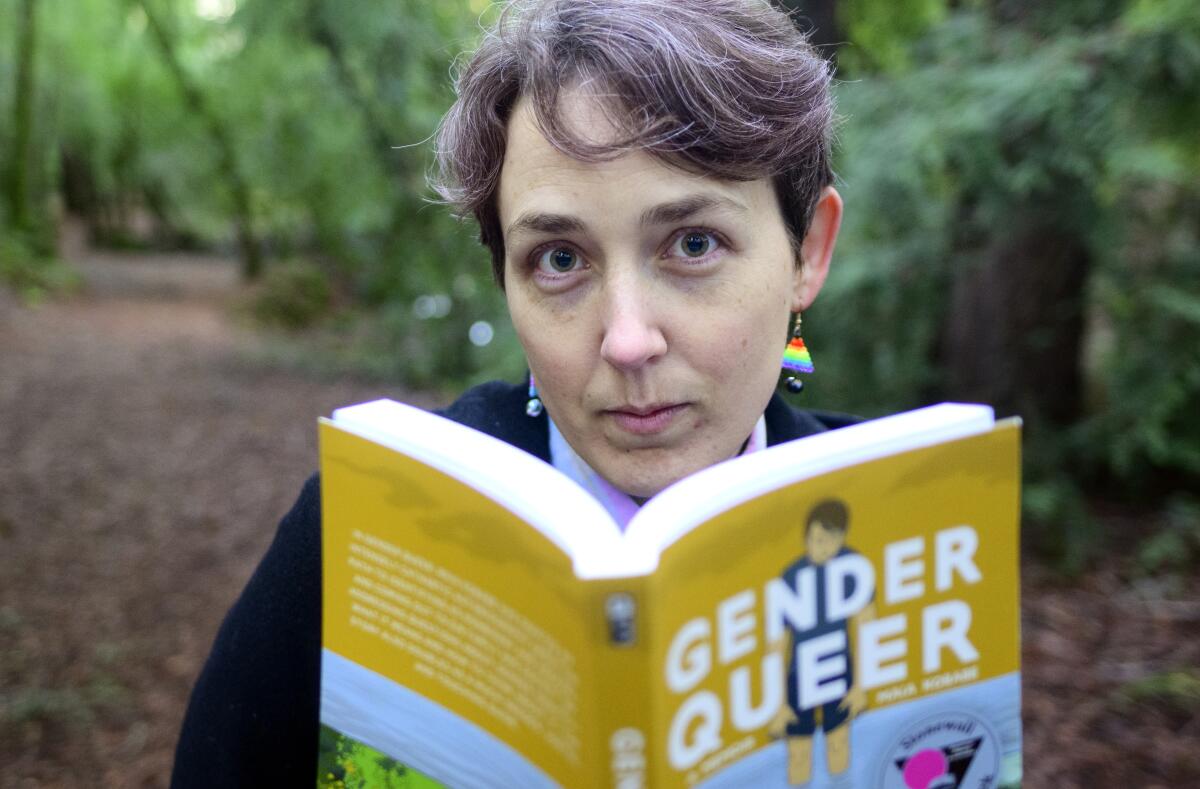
(796, 359)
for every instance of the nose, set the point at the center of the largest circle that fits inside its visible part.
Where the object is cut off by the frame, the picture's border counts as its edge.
(633, 331)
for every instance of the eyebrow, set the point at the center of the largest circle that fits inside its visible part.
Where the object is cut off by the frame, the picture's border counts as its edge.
(663, 214)
(687, 207)
(539, 222)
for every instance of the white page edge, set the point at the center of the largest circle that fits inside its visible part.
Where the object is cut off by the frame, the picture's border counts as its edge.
(498, 470)
(699, 497)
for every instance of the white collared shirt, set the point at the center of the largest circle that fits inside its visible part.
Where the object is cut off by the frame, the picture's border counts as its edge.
(620, 505)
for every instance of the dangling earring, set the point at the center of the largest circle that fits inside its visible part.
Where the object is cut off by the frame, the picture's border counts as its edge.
(796, 359)
(533, 407)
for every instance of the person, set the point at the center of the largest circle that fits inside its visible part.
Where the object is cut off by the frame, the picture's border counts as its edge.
(825, 532)
(653, 184)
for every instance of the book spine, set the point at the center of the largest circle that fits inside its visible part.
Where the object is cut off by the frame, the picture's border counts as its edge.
(624, 733)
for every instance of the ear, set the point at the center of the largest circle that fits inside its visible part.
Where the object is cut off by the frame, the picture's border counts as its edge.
(816, 251)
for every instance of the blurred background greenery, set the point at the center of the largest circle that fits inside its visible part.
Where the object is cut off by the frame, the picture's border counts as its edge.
(1021, 180)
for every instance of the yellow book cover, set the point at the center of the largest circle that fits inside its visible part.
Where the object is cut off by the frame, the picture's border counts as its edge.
(838, 611)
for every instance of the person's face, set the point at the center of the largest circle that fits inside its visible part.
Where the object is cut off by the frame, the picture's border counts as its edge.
(652, 303)
(821, 544)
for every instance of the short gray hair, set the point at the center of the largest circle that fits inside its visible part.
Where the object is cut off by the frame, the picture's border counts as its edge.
(725, 88)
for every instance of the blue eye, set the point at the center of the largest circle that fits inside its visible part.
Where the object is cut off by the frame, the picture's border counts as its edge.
(559, 260)
(694, 244)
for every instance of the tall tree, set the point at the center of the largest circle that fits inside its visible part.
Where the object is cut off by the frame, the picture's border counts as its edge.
(1013, 333)
(18, 181)
(1014, 328)
(227, 161)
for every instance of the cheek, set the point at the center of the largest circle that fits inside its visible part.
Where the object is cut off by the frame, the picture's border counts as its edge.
(748, 343)
(529, 318)
(553, 348)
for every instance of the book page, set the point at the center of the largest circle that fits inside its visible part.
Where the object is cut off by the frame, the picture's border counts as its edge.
(878, 647)
(533, 490)
(701, 496)
(453, 634)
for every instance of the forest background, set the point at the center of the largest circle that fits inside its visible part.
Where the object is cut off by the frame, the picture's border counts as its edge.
(1022, 182)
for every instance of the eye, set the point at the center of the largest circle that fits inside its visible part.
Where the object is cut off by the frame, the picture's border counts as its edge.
(694, 244)
(557, 260)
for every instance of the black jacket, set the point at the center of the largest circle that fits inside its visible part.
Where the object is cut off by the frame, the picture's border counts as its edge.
(252, 718)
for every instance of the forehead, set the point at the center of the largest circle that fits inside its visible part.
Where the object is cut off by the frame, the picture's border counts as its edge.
(537, 177)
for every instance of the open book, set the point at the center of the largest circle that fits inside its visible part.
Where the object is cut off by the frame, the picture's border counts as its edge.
(837, 611)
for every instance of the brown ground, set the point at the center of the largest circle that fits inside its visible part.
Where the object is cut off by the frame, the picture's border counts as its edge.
(146, 457)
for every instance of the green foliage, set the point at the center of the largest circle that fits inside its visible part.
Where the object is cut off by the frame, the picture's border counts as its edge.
(66, 706)
(1150, 350)
(329, 107)
(882, 32)
(293, 294)
(1177, 690)
(934, 163)
(1176, 548)
(27, 269)
(1060, 524)
(345, 763)
(1084, 122)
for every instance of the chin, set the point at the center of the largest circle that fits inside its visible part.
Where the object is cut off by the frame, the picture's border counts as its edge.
(654, 481)
(634, 485)
(644, 491)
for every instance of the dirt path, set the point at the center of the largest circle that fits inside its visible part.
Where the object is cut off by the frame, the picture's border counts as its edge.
(146, 458)
(145, 464)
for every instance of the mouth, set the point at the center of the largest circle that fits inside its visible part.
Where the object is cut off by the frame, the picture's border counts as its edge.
(646, 420)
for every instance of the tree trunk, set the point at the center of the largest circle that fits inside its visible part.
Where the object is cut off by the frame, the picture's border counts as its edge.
(818, 18)
(320, 33)
(381, 138)
(248, 243)
(78, 187)
(20, 215)
(1014, 334)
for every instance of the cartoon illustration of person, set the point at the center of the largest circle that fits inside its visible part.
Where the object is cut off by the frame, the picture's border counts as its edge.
(824, 541)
